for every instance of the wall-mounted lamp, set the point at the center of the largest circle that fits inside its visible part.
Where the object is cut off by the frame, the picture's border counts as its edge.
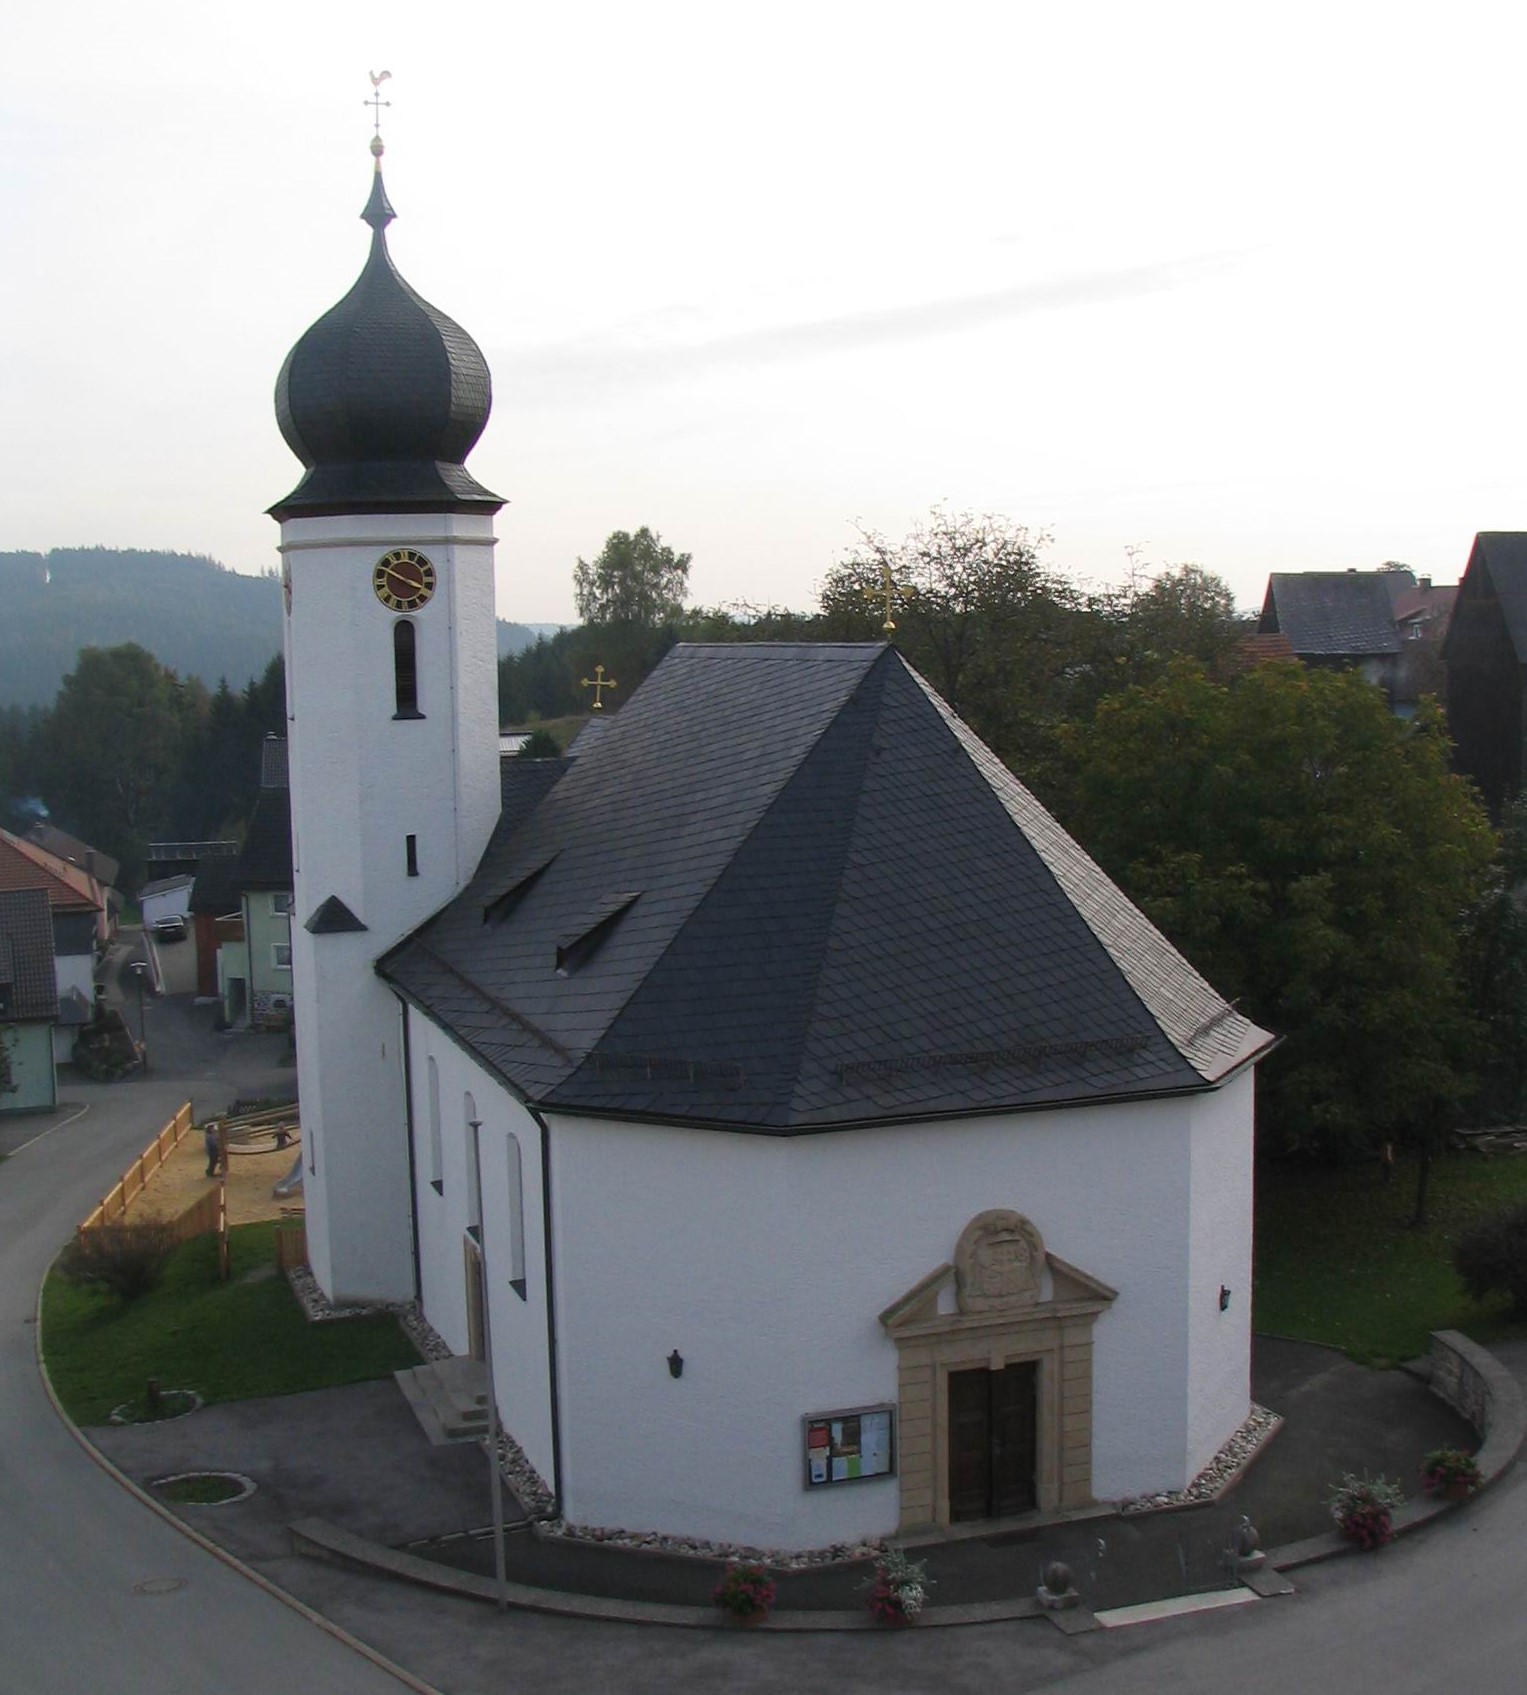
(676, 1364)
(1224, 1298)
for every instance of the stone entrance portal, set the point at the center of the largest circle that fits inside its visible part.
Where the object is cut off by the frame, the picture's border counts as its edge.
(995, 1379)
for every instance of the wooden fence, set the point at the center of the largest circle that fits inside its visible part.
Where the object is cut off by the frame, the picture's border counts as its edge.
(113, 1209)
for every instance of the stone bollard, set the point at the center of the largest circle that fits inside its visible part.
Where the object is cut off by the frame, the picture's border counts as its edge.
(1057, 1588)
(1246, 1548)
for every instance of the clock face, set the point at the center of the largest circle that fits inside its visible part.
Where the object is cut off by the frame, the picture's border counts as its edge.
(404, 580)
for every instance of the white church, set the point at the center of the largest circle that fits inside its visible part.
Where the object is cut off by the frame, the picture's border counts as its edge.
(854, 1158)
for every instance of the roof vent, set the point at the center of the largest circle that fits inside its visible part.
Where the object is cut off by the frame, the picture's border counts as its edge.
(576, 950)
(502, 905)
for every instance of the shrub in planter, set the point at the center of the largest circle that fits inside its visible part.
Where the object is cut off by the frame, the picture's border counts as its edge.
(1363, 1508)
(1450, 1472)
(128, 1259)
(1492, 1259)
(745, 1592)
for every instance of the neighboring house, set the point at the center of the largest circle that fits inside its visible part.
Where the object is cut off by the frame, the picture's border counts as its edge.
(166, 897)
(217, 916)
(73, 901)
(100, 866)
(1386, 624)
(85, 883)
(827, 1148)
(1485, 652)
(255, 970)
(28, 1001)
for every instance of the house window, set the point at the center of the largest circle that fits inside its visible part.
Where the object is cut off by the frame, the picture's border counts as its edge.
(405, 670)
(281, 906)
(281, 955)
(436, 1150)
(516, 1219)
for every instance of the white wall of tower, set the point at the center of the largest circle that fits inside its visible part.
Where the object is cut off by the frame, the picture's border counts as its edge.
(362, 782)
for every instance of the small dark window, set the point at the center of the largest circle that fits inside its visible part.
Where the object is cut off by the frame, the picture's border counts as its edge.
(405, 671)
(411, 848)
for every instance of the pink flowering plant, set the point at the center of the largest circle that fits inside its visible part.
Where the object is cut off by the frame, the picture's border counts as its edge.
(745, 1591)
(898, 1587)
(1363, 1508)
(1450, 1471)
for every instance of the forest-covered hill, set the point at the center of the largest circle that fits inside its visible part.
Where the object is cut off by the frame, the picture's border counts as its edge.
(194, 615)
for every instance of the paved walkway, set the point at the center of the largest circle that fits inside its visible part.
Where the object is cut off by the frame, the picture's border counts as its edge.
(355, 1457)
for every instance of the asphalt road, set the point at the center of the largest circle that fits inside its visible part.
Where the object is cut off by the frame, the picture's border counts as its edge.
(97, 1594)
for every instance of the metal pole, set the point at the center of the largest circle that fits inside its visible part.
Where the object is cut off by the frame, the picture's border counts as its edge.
(139, 971)
(494, 1468)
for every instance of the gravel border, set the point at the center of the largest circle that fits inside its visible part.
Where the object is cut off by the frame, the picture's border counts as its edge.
(1220, 1473)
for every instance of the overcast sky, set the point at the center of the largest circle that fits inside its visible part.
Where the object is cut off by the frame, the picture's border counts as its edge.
(1235, 286)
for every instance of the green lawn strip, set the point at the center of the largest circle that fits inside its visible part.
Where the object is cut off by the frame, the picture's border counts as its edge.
(228, 1341)
(1337, 1261)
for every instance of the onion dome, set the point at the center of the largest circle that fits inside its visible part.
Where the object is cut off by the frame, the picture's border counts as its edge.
(383, 398)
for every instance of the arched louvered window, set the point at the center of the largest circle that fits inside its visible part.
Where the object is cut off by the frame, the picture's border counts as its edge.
(405, 670)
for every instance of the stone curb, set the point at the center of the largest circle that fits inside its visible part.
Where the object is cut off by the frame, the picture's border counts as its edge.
(320, 1540)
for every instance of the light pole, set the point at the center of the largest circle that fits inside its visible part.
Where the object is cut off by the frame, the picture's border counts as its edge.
(140, 971)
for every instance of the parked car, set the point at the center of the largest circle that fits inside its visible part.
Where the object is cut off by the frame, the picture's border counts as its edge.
(170, 928)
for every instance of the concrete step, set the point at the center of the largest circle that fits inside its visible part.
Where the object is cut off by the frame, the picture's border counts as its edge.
(449, 1398)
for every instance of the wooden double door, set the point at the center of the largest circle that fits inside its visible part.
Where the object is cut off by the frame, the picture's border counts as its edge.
(993, 1442)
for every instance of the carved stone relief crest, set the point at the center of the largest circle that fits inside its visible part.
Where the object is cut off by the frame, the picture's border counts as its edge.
(997, 1263)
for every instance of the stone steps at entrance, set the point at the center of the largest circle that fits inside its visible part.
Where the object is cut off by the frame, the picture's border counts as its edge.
(449, 1398)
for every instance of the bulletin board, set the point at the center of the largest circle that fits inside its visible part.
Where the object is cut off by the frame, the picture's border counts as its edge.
(849, 1446)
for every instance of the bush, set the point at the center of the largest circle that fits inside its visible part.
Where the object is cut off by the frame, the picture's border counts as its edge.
(1363, 1508)
(745, 1591)
(128, 1259)
(1492, 1259)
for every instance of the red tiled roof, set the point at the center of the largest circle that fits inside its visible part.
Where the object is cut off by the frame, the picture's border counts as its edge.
(22, 866)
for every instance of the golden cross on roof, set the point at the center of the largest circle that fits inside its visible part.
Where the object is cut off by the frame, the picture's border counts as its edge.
(597, 682)
(888, 592)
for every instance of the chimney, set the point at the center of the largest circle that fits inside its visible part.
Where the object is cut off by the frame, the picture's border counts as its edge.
(1425, 583)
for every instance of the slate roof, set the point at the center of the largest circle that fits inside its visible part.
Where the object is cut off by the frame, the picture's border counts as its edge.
(1497, 570)
(789, 891)
(28, 981)
(266, 860)
(100, 865)
(1331, 613)
(217, 887)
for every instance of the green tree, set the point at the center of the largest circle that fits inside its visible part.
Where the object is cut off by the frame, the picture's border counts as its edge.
(113, 746)
(634, 580)
(976, 610)
(1313, 856)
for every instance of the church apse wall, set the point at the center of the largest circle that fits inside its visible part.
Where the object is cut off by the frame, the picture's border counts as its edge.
(768, 1264)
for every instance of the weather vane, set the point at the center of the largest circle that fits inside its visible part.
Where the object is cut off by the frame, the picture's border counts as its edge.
(376, 103)
(887, 593)
(597, 682)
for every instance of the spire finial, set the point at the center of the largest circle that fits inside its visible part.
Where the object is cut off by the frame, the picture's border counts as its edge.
(379, 213)
(376, 103)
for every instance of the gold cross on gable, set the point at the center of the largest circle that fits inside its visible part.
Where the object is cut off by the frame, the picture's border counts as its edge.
(376, 102)
(597, 682)
(888, 592)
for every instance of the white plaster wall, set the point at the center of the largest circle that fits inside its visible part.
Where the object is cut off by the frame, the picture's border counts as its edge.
(174, 903)
(1219, 1343)
(361, 782)
(765, 1262)
(520, 1349)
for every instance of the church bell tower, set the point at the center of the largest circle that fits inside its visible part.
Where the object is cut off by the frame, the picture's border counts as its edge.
(391, 687)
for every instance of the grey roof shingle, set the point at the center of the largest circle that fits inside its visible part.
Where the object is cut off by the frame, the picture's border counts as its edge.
(788, 890)
(1331, 613)
(265, 861)
(1497, 570)
(28, 979)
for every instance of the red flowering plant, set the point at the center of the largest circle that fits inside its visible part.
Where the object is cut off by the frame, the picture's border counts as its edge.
(898, 1587)
(745, 1591)
(1450, 1471)
(1363, 1508)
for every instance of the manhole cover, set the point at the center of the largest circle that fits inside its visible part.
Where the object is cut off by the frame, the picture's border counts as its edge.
(159, 1585)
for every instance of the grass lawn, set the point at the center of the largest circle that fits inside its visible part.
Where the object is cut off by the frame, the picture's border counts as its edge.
(1337, 1262)
(228, 1341)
